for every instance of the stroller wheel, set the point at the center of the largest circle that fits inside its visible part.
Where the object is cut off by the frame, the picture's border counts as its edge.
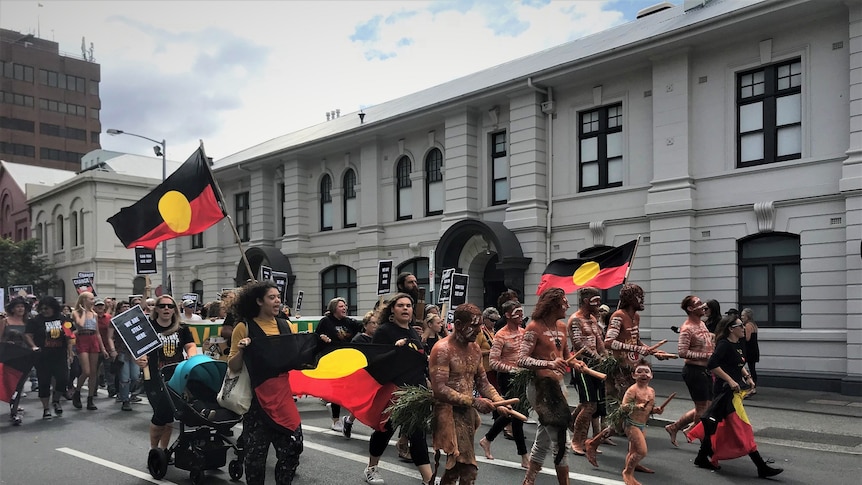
(196, 476)
(234, 468)
(157, 463)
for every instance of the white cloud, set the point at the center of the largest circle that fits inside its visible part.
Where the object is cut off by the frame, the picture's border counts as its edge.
(238, 73)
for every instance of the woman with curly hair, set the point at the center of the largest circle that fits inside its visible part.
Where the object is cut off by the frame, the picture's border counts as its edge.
(51, 332)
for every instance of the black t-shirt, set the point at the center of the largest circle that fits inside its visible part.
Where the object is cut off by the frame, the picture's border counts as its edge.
(171, 350)
(338, 330)
(729, 357)
(389, 333)
(48, 333)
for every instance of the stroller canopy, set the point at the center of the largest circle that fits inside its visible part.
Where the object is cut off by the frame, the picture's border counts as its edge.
(202, 371)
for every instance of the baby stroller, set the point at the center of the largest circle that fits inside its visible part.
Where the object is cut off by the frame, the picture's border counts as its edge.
(205, 427)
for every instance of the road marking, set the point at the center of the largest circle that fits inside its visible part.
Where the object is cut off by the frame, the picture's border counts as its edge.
(114, 466)
(413, 473)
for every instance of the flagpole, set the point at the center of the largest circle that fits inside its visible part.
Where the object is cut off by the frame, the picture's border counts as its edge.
(629, 269)
(229, 218)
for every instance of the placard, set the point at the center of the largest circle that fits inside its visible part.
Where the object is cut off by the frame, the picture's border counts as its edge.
(190, 296)
(459, 290)
(84, 284)
(20, 290)
(87, 274)
(384, 277)
(298, 302)
(265, 273)
(445, 285)
(145, 261)
(136, 331)
(280, 280)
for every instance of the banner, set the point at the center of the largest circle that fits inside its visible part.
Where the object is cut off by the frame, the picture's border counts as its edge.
(446, 285)
(136, 331)
(384, 277)
(145, 261)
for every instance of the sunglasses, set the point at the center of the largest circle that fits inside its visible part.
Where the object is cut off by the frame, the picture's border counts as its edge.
(165, 305)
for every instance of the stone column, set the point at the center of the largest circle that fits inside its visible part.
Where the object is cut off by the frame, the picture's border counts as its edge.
(462, 168)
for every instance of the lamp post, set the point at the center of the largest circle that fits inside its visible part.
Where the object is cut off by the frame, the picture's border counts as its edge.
(159, 149)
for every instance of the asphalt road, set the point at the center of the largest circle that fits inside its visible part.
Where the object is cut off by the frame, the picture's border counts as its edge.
(109, 447)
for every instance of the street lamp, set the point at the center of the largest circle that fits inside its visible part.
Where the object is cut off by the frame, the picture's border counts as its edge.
(159, 150)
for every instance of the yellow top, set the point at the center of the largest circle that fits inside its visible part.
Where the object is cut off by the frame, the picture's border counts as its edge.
(240, 331)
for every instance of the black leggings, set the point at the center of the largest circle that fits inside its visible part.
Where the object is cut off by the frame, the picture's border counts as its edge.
(258, 436)
(501, 421)
(51, 363)
(418, 445)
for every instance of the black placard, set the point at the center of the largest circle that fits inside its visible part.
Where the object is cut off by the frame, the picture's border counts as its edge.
(145, 261)
(84, 284)
(19, 290)
(280, 279)
(459, 290)
(384, 277)
(446, 285)
(136, 331)
(265, 273)
(299, 296)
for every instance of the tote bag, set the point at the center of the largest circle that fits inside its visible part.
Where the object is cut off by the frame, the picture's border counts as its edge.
(235, 393)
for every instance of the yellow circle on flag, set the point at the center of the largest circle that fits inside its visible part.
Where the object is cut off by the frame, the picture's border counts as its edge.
(176, 211)
(338, 363)
(586, 272)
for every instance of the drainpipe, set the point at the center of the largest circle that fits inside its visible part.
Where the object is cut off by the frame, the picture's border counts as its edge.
(549, 108)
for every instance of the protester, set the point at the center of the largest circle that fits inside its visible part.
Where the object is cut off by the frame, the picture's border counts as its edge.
(727, 365)
(695, 346)
(175, 340)
(369, 326)
(712, 315)
(189, 311)
(50, 334)
(641, 398)
(256, 308)
(396, 328)
(456, 370)
(585, 334)
(336, 325)
(12, 329)
(545, 351)
(89, 345)
(485, 339)
(106, 374)
(505, 296)
(432, 331)
(127, 371)
(504, 360)
(752, 348)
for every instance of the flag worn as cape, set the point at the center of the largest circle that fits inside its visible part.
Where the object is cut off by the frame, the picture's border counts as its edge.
(602, 271)
(186, 203)
(15, 365)
(734, 436)
(359, 378)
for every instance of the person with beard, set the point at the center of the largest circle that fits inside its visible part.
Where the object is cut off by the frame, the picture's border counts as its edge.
(407, 283)
(165, 319)
(585, 334)
(544, 350)
(51, 334)
(456, 369)
(336, 325)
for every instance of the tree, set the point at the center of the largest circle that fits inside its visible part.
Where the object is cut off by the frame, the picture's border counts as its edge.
(21, 264)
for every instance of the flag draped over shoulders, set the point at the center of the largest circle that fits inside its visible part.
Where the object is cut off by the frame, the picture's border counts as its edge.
(734, 436)
(604, 270)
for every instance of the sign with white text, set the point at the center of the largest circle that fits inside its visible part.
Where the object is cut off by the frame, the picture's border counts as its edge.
(136, 331)
(446, 285)
(384, 276)
(145, 261)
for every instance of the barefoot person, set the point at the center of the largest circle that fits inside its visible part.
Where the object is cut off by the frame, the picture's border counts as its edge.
(585, 334)
(641, 398)
(695, 346)
(544, 350)
(456, 369)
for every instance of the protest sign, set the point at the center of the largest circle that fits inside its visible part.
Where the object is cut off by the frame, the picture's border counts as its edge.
(384, 276)
(136, 331)
(145, 261)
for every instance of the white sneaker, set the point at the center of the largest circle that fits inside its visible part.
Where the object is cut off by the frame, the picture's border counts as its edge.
(373, 476)
(336, 426)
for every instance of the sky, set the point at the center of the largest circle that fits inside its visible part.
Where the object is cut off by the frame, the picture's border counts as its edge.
(238, 73)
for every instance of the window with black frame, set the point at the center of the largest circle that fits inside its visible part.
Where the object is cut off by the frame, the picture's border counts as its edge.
(769, 114)
(403, 187)
(241, 203)
(499, 169)
(350, 200)
(326, 203)
(770, 281)
(434, 183)
(339, 280)
(600, 153)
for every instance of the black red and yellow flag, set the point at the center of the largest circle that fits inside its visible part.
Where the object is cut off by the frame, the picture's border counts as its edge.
(15, 365)
(186, 203)
(602, 271)
(734, 436)
(359, 378)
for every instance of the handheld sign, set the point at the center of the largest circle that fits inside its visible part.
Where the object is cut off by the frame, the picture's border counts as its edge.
(298, 302)
(459, 290)
(384, 276)
(136, 331)
(145, 261)
(84, 284)
(280, 280)
(20, 290)
(87, 274)
(446, 285)
(265, 273)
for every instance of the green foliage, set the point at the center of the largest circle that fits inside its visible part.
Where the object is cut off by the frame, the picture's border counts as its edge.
(21, 264)
(412, 409)
(518, 383)
(617, 414)
(609, 365)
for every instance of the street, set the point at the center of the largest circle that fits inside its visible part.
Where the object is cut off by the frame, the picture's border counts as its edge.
(109, 446)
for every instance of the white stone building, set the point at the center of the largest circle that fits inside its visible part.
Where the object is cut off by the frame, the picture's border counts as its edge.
(728, 135)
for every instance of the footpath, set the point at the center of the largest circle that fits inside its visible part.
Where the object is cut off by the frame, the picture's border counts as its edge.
(824, 421)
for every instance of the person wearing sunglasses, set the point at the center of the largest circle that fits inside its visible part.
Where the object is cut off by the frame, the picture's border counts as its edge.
(175, 339)
(727, 365)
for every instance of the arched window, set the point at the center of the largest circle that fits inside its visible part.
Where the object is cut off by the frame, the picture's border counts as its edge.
(611, 296)
(403, 186)
(73, 228)
(41, 237)
(198, 287)
(770, 279)
(418, 267)
(61, 243)
(81, 229)
(434, 183)
(349, 198)
(326, 203)
(340, 281)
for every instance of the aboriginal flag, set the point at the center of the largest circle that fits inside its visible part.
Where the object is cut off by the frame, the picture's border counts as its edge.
(602, 271)
(734, 436)
(15, 365)
(186, 203)
(359, 377)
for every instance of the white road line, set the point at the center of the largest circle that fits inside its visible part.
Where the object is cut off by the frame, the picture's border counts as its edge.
(413, 473)
(114, 466)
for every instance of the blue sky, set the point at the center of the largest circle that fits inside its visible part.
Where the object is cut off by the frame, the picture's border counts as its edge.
(236, 74)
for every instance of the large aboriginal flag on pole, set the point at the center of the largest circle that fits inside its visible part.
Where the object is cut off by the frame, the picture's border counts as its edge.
(186, 203)
(602, 271)
(359, 377)
(15, 365)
